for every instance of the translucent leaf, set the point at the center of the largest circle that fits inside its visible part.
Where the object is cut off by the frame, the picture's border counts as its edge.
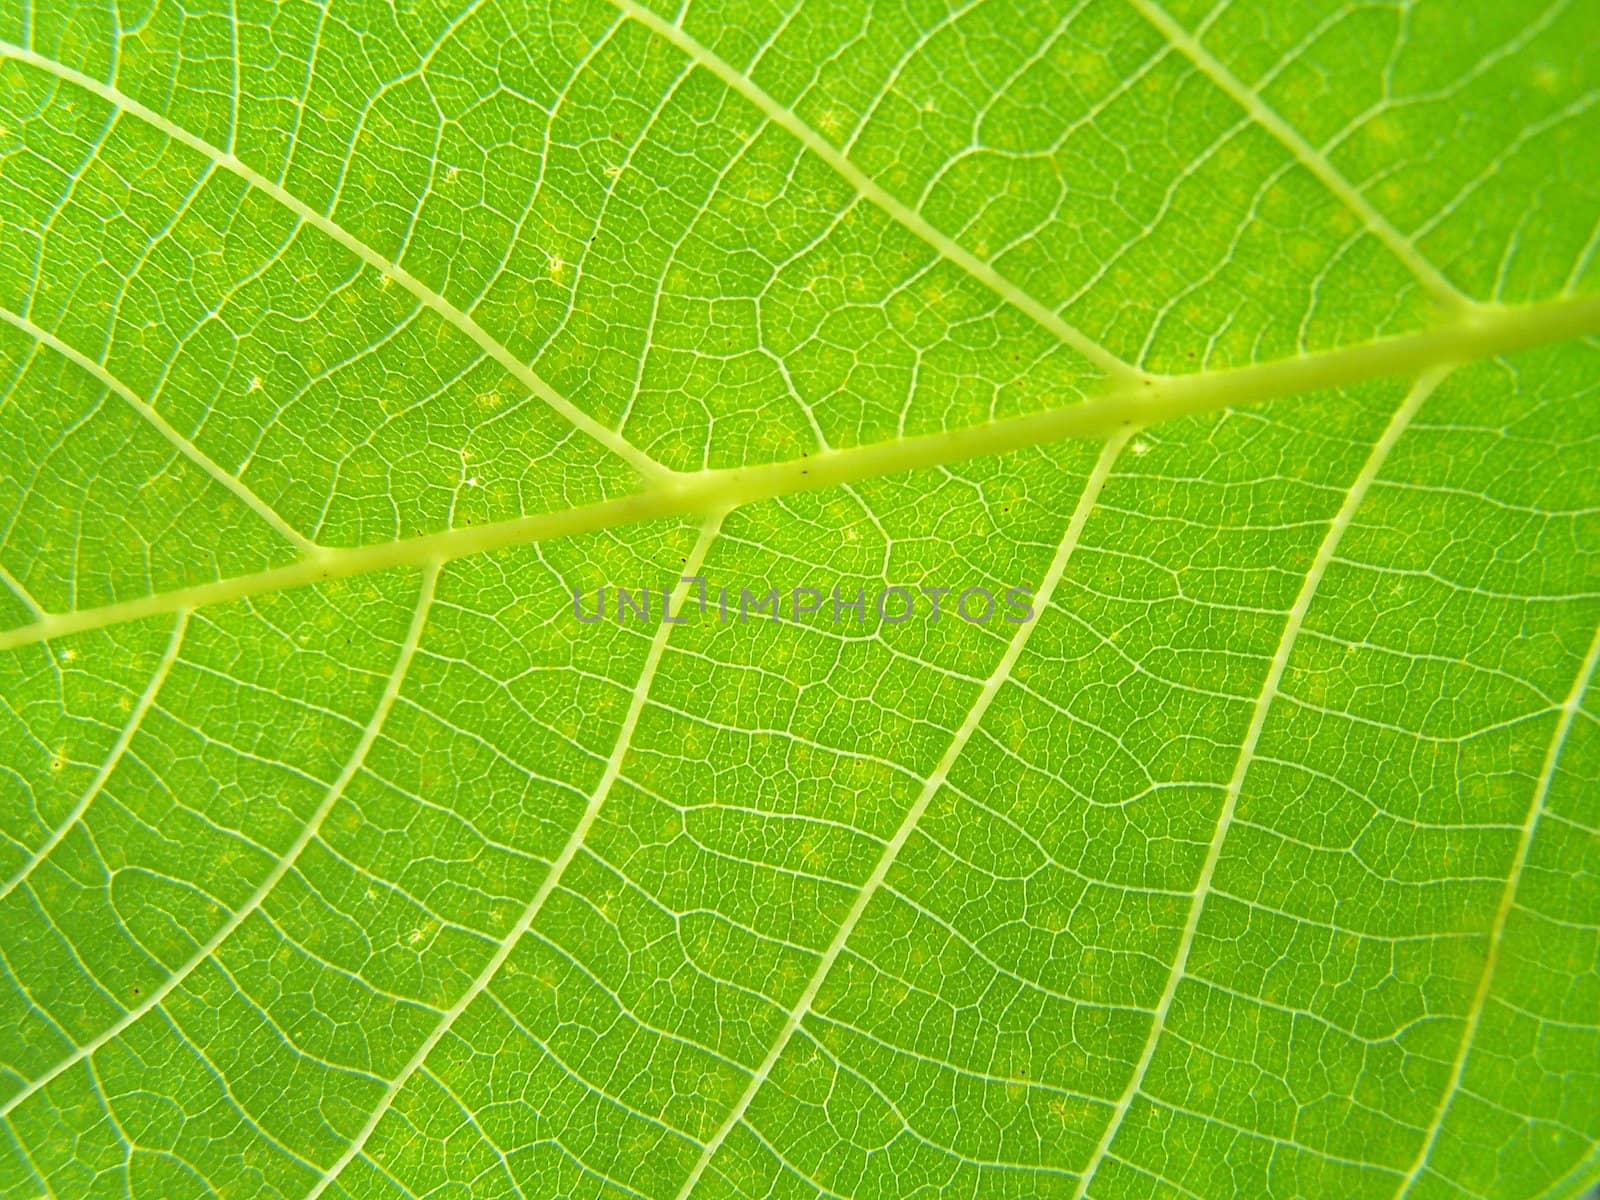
(1244, 356)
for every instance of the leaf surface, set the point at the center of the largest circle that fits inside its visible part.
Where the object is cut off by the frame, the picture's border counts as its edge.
(341, 345)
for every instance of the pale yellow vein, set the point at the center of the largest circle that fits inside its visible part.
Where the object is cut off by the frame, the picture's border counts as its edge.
(1480, 333)
(182, 444)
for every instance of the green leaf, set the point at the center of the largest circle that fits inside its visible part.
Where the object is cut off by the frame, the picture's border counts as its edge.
(343, 345)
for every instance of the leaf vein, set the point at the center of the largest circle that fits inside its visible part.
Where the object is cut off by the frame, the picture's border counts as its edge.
(493, 348)
(182, 444)
(1541, 790)
(551, 881)
(1402, 247)
(880, 871)
(142, 706)
(1483, 334)
(1353, 499)
(869, 188)
(279, 869)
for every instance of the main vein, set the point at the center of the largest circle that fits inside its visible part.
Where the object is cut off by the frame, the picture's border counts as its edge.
(1480, 333)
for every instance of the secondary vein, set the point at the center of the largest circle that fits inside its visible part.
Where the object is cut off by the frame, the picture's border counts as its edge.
(1569, 710)
(1324, 556)
(946, 246)
(908, 824)
(493, 348)
(552, 879)
(280, 868)
(1442, 290)
(146, 700)
(182, 444)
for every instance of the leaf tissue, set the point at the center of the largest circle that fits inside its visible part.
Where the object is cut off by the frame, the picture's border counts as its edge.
(616, 599)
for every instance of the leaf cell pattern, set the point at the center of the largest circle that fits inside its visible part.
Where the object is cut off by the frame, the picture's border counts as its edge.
(342, 342)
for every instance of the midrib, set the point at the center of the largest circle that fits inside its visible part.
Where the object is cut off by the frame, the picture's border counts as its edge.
(1482, 333)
